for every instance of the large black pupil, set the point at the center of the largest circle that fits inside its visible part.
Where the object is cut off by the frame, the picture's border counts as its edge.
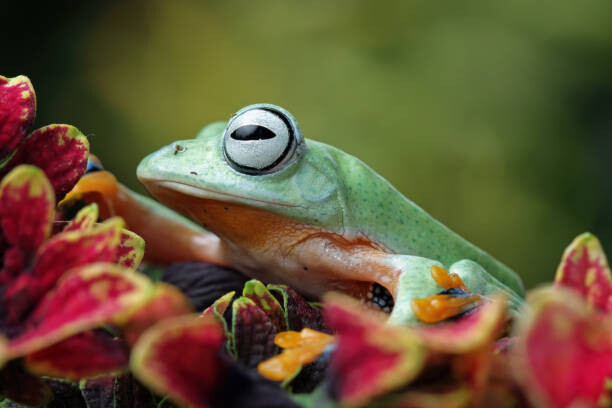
(252, 132)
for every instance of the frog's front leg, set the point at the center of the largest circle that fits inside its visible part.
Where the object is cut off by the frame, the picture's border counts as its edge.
(416, 282)
(169, 236)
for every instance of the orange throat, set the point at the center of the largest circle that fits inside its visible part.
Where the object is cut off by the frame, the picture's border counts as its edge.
(277, 249)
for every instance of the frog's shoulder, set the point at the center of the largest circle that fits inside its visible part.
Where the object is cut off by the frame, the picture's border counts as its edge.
(372, 206)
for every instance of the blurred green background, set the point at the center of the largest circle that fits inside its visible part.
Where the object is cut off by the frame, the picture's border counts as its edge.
(495, 116)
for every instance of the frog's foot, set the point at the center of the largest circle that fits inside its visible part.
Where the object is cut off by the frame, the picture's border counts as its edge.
(442, 295)
(453, 301)
(99, 187)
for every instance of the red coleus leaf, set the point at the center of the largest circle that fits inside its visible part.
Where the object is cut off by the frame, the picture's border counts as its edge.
(180, 357)
(84, 220)
(219, 306)
(82, 355)
(26, 210)
(61, 151)
(22, 387)
(258, 293)
(165, 302)
(55, 257)
(217, 310)
(83, 299)
(371, 358)
(466, 343)
(563, 354)
(253, 333)
(17, 111)
(131, 249)
(75, 248)
(584, 269)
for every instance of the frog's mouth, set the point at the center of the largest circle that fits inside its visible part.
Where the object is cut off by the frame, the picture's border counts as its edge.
(202, 192)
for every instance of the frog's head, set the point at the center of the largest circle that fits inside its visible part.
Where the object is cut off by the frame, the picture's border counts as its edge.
(257, 164)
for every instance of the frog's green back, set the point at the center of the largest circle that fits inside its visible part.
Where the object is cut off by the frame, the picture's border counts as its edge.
(384, 215)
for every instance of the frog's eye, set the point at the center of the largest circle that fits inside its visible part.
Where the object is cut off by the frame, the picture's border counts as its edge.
(260, 140)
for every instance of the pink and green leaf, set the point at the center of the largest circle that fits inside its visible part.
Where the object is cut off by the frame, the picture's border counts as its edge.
(83, 299)
(131, 249)
(372, 358)
(258, 293)
(85, 219)
(220, 305)
(563, 354)
(165, 302)
(61, 151)
(217, 309)
(58, 255)
(83, 355)
(70, 249)
(163, 359)
(252, 333)
(584, 269)
(27, 207)
(17, 112)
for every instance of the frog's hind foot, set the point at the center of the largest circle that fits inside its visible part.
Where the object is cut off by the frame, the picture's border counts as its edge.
(426, 288)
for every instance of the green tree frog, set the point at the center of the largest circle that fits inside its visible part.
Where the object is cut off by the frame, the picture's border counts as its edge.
(291, 210)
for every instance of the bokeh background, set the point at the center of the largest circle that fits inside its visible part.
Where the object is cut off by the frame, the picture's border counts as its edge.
(495, 116)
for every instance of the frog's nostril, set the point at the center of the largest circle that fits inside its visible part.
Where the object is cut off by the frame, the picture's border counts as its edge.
(178, 148)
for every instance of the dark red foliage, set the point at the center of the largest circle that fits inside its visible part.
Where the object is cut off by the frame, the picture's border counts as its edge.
(61, 151)
(24, 227)
(88, 299)
(17, 111)
(64, 252)
(584, 269)
(82, 355)
(253, 333)
(299, 313)
(19, 385)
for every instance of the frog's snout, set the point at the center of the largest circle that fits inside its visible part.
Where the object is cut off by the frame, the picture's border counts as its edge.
(148, 168)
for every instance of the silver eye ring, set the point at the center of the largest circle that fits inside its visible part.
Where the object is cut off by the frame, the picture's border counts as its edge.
(261, 139)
